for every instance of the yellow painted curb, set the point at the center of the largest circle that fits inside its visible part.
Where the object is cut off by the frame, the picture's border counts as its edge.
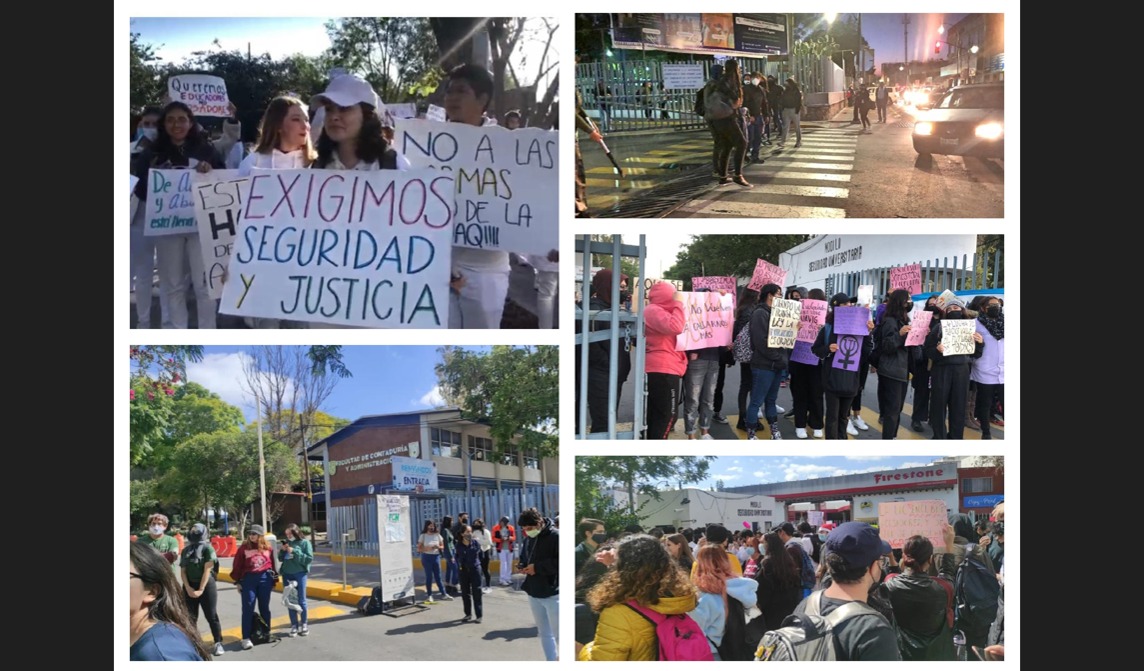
(314, 613)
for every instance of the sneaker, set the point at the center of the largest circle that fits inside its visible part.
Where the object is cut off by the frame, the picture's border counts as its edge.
(971, 423)
(293, 632)
(720, 417)
(861, 423)
(917, 426)
(751, 434)
(247, 644)
(706, 436)
(741, 181)
(466, 618)
(789, 413)
(218, 651)
(779, 409)
(429, 600)
(818, 433)
(797, 145)
(850, 427)
(725, 180)
(801, 433)
(741, 425)
(486, 590)
(446, 597)
(776, 434)
(304, 630)
(478, 620)
(997, 421)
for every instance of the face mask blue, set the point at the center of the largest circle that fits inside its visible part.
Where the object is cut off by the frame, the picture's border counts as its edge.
(750, 552)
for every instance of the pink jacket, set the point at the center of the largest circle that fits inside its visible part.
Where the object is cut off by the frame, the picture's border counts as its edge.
(663, 320)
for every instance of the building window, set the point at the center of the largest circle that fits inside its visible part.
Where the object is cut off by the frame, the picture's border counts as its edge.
(976, 485)
(508, 458)
(480, 449)
(531, 460)
(445, 443)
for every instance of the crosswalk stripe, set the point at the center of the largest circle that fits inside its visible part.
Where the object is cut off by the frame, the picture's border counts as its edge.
(797, 190)
(799, 174)
(620, 184)
(722, 208)
(634, 170)
(820, 166)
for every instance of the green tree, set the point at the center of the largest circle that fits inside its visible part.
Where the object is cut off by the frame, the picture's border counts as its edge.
(155, 370)
(515, 390)
(393, 54)
(146, 83)
(636, 475)
(733, 255)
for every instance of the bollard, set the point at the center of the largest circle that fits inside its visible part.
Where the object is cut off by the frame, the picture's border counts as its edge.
(345, 536)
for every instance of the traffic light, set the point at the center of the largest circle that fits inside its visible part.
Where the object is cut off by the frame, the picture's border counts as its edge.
(937, 47)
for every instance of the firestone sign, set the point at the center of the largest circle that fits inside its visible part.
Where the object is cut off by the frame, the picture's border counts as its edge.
(911, 476)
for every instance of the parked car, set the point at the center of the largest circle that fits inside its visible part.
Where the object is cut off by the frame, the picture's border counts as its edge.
(968, 120)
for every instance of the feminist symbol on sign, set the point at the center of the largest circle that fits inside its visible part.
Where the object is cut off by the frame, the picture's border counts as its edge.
(848, 345)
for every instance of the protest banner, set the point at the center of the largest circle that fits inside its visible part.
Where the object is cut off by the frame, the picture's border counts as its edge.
(505, 181)
(784, 323)
(849, 352)
(866, 295)
(435, 113)
(802, 354)
(683, 76)
(815, 517)
(766, 273)
(811, 319)
(713, 283)
(957, 336)
(402, 110)
(907, 277)
(170, 210)
(218, 196)
(709, 320)
(919, 328)
(851, 320)
(898, 520)
(204, 94)
(344, 247)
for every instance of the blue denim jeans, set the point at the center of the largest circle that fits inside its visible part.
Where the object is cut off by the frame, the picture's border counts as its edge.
(256, 588)
(452, 572)
(755, 137)
(764, 390)
(432, 566)
(297, 618)
(547, 616)
(699, 389)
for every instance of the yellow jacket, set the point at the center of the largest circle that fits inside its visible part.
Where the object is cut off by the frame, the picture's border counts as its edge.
(622, 634)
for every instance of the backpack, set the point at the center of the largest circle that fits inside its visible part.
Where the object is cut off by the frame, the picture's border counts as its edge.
(290, 596)
(679, 637)
(875, 345)
(975, 594)
(742, 350)
(260, 632)
(806, 572)
(699, 106)
(808, 637)
(739, 642)
(372, 604)
(715, 104)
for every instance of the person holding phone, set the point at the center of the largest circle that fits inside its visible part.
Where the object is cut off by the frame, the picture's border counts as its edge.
(429, 544)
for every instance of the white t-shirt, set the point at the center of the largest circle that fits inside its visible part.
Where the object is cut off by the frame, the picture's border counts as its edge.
(483, 538)
(430, 543)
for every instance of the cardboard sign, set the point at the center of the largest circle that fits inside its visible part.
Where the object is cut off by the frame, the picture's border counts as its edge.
(766, 273)
(849, 353)
(811, 319)
(505, 180)
(907, 277)
(218, 196)
(898, 520)
(710, 318)
(713, 283)
(204, 94)
(435, 113)
(802, 354)
(866, 295)
(919, 328)
(402, 110)
(344, 247)
(815, 517)
(683, 76)
(783, 330)
(851, 320)
(957, 336)
(169, 208)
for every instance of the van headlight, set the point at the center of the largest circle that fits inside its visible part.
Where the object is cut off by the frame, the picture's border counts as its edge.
(923, 128)
(989, 131)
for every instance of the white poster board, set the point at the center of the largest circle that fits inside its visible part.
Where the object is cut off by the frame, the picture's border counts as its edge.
(170, 210)
(866, 295)
(683, 76)
(414, 475)
(204, 94)
(957, 336)
(435, 113)
(344, 247)
(402, 110)
(218, 196)
(506, 181)
(395, 540)
(784, 323)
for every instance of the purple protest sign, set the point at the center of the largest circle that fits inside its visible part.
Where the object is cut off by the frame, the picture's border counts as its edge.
(849, 352)
(919, 328)
(802, 354)
(766, 273)
(851, 320)
(811, 319)
(907, 277)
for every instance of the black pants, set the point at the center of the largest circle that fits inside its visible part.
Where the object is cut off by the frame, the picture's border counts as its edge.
(485, 555)
(717, 402)
(730, 145)
(209, 602)
(921, 383)
(987, 395)
(745, 382)
(891, 398)
(863, 373)
(837, 416)
(949, 391)
(598, 398)
(865, 112)
(806, 390)
(471, 591)
(662, 401)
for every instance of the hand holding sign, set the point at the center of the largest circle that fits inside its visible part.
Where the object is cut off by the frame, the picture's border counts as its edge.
(204, 94)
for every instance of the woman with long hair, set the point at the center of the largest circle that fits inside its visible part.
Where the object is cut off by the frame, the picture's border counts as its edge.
(253, 572)
(718, 584)
(646, 574)
(429, 544)
(748, 301)
(296, 554)
(351, 136)
(485, 540)
(780, 582)
(893, 361)
(732, 145)
(989, 370)
(680, 551)
(161, 629)
(923, 604)
(838, 384)
(663, 321)
(806, 387)
(197, 564)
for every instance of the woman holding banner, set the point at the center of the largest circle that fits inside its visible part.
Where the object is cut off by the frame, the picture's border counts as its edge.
(767, 365)
(989, 370)
(179, 144)
(663, 321)
(838, 384)
(806, 388)
(893, 362)
(949, 386)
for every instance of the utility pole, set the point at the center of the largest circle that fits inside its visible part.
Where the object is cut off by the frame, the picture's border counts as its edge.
(905, 45)
(261, 463)
(862, 50)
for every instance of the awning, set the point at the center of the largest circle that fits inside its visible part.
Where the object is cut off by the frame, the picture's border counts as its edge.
(842, 508)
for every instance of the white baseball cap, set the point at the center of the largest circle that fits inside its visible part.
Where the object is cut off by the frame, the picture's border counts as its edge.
(346, 90)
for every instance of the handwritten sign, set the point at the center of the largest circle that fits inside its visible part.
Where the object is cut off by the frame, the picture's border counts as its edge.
(766, 273)
(218, 196)
(402, 110)
(957, 336)
(726, 284)
(907, 277)
(709, 320)
(506, 181)
(815, 517)
(849, 353)
(811, 319)
(851, 320)
(349, 248)
(919, 328)
(866, 294)
(898, 520)
(204, 94)
(435, 113)
(802, 354)
(784, 323)
(170, 210)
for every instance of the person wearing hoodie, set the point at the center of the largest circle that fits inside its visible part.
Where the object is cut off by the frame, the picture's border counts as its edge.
(663, 321)
(806, 387)
(196, 564)
(949, 388)
(838, 384)
(748, 301)
(295, 555)
(920, 376)
(923, 604)
(540, 563)
(767, 365)
(988, 371)
(946, 563)
(600, 353)
(791, 102)
(893, 361)
(718, 585)
(644, 572)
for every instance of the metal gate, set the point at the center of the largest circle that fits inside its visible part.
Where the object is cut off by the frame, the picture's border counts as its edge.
(970, 272)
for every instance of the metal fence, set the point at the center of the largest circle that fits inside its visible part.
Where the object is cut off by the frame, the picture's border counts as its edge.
(487, 505)
(621, 328)
(969, 272)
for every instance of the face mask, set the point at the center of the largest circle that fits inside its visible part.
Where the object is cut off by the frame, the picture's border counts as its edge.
(599, 538)
(532, 533)
(467, 537)
(625, 296)
(993, 311)
(750, 552)
(909, 307)
(157, 530)
(953, 314)
(755, 82)
(822, 537)
(149, 133)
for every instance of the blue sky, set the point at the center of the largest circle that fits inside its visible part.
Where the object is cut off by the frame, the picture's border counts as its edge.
(385, 379)
(739, 471)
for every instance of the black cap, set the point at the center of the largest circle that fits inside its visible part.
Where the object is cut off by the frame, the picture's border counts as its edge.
(786, 527)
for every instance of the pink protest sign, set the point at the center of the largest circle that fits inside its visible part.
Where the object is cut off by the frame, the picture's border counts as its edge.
(907, 277)
(898, 520)
(919, 328)
(802, 354)
(714, 284)
(709, 320)
(766, 273)
(811, 319)
(849, 352)
(851, 320)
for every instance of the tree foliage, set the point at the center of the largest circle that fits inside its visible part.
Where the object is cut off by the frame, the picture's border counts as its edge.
(733, 255)
(636, 475)
(515, 390)
(146, 84)
(155, 372)
(393, 54)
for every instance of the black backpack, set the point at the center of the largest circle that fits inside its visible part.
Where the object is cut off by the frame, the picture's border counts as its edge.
(699, 107)
(260, 631)
(875, 349)
(740, 638)
(372, 604)
(975, 594)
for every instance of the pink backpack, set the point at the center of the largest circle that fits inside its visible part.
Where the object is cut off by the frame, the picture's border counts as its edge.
(680, 638)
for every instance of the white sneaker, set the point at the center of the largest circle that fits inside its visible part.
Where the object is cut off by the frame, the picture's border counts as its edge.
(850, 427)
(304, 630)
(706, 436)
(247, 644)
(293, 632)
(446, 597)
(780, 409)
(818, 433)
(486, 590)
(429, 599)
(801, 433)
(861, 424)
(218, 651)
